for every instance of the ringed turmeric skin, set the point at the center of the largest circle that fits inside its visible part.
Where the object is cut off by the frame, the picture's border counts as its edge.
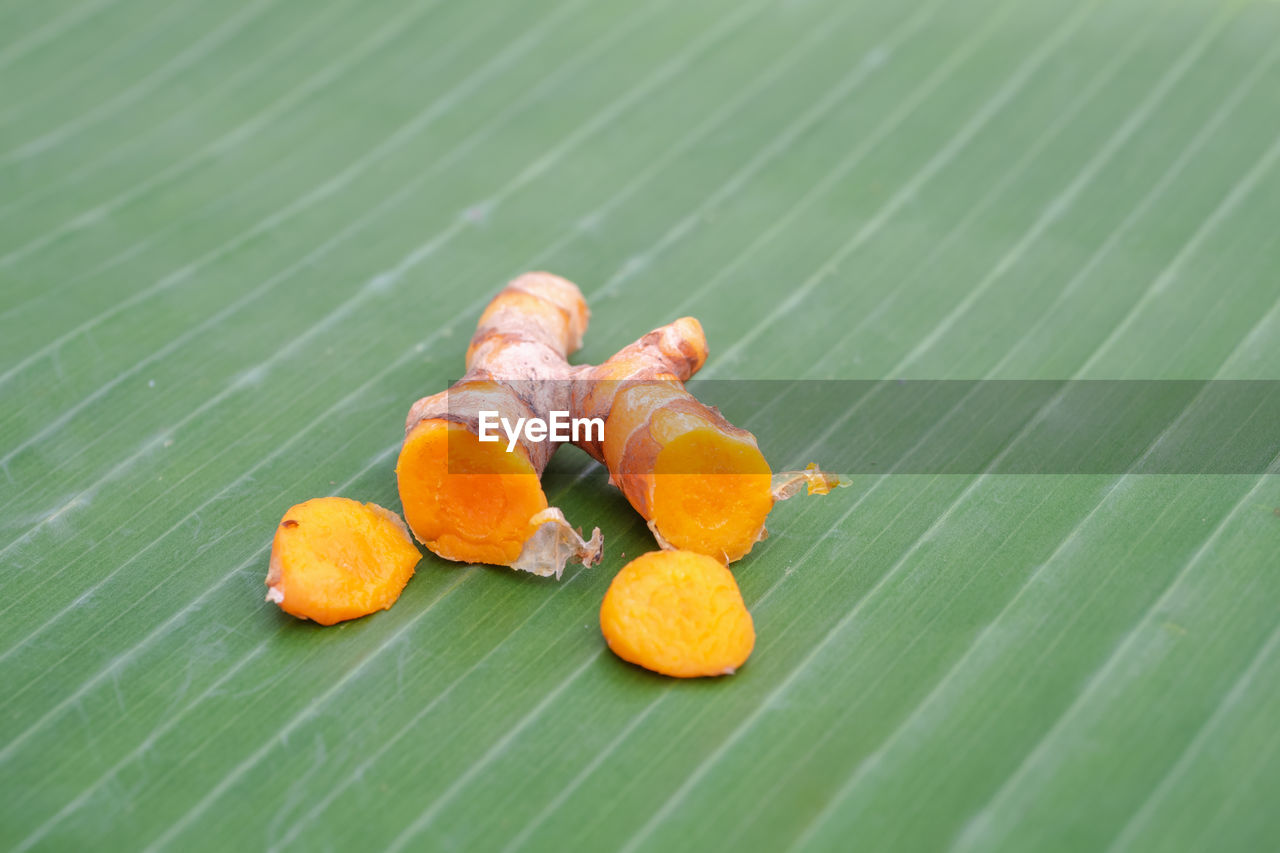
(335, 559)
(678, 613)
(473, 501)
(701, 483)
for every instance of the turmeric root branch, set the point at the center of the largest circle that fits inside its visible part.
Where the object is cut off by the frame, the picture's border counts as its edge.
(701, 483)
(474, 501)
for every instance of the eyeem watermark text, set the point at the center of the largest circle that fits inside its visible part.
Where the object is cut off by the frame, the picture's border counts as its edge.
(558, 427)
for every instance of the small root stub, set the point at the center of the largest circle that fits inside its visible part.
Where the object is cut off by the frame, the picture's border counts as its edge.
(554, 543)
(787, 484)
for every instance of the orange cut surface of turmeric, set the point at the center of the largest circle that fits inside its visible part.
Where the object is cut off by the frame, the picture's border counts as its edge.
(474, 501)
(468, 500)
(335, 559)
(482, 502)
(678, 613)
(711, 491)
(702, 484)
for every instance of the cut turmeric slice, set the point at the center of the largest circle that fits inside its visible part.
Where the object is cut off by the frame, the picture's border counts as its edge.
(678, 613)
(335, 559)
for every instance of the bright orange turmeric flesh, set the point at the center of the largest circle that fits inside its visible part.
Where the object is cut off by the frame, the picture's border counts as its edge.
(482, 502)
(711, 493)
(335, 559)
(467, 500)
(701, 483)
(678, 613)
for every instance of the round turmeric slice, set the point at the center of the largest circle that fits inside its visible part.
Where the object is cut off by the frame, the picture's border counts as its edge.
(335, 559)
(677, 613)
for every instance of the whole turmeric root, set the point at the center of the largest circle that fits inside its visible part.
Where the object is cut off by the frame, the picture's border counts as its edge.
(482, 501)
(701, 483)
(334, 559)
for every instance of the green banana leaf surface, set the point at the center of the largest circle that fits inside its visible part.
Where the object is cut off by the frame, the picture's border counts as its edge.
(238, 239)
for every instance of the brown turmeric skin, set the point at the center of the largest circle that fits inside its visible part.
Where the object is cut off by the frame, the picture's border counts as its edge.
(701, 483)
(474, 501)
